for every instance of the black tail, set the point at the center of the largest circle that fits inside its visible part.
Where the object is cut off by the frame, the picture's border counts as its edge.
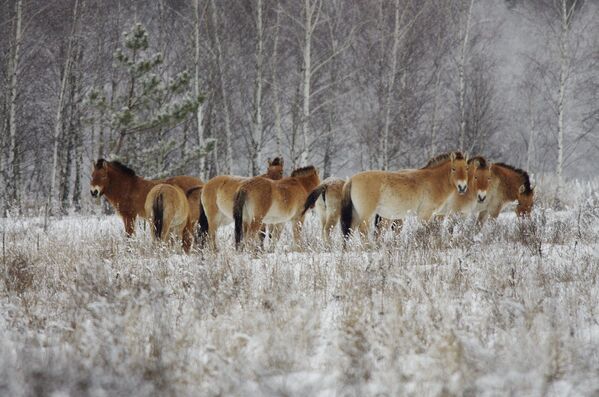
(203, 226)
(311, 200)
(238, 204)
(347, 209)
(157, 215)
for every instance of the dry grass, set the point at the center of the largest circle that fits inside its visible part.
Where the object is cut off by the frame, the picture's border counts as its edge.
(451, 308)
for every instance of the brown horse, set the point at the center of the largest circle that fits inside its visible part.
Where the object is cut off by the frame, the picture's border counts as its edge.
(326, 200)
(393, 195)
(479, 177)
(507, 184)
(168, 210)
(217, 199)
(263, 201)
(127, 192)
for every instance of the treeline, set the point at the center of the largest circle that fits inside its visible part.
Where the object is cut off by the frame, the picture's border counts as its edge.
(206, 87)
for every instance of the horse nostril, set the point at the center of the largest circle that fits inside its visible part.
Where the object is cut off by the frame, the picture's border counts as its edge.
(94, 193)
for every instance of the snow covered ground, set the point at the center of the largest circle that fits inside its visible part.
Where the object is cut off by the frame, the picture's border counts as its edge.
(510, 308)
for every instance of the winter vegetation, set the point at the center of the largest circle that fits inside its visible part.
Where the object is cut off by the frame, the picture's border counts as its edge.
(444, 303)
(452, 308)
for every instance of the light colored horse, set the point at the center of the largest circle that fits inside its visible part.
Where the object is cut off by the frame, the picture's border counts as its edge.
(326, 201)
(479, 178)
(393, 195)
(167, 207)
(507, 184)
(218, 195)
(260, 200)
(127, 192)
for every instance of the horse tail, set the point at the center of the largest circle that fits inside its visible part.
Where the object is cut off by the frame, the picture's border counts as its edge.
(238, 205)
(203, 222)
(158, 214)
(347, 209)
(313, 196)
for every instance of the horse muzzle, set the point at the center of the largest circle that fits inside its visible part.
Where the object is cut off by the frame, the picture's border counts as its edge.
(481, 197)
(462, 188)
(95, 192)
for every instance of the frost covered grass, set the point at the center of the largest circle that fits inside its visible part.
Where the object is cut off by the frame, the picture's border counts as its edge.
(449, 308)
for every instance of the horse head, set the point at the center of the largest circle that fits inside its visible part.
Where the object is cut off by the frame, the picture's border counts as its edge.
(480, 172)
(459, 172)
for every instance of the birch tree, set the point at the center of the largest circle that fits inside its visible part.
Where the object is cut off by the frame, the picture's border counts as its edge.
(58, 123)
(14, 73)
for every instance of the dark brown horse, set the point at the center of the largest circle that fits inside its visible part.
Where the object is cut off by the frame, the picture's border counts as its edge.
(127, 192)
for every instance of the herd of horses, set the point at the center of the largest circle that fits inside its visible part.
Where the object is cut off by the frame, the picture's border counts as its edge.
(449, 183)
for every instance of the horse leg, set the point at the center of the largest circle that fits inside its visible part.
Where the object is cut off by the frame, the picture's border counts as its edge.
(251, 230)
(330, 224)
(276, 230)
(129, 221)
(298, 224)
(186, 235)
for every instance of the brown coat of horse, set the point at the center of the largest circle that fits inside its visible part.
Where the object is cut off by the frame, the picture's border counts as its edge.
(393, 195)
(263, 201)
(479, 178)
(326, 201)
(218, 195)
(507, 184)
(127, 192)
(167, 209)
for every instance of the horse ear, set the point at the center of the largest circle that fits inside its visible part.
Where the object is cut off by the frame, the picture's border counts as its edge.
(269, 161)
(452, 156)
(522, 189)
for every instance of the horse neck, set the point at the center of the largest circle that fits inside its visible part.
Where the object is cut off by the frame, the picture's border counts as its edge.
(441, 176)
(124, 188)
(309, 182)
(508, 182)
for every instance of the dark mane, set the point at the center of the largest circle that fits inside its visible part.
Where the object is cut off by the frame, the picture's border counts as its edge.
(305, 171)
(522, 173)
(482, 162)
(121, 167)
(442, 158)
(276, 161)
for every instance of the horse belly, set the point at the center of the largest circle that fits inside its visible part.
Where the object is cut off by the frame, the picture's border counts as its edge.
(276, 214)
(397, 205)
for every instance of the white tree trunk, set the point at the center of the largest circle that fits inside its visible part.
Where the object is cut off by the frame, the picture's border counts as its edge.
(219, 61)
(59, 109)
(199, 112)
(390, 86)
(12, 116)
(311, 13)
(565, 14)
(256, 138)
(277, 105)
(462, 77)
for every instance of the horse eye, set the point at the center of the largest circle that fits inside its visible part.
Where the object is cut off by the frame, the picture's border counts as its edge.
(475, 178)
(453, 170)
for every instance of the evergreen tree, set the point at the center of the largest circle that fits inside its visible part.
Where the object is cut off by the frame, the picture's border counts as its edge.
(146, 110)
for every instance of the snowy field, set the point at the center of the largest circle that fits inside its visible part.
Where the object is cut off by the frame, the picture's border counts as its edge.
(510, 308)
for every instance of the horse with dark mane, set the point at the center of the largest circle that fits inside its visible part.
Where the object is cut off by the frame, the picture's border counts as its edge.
(263, 201)
(127, 192)
(507, 184)
(217, 199)
(168, 210)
